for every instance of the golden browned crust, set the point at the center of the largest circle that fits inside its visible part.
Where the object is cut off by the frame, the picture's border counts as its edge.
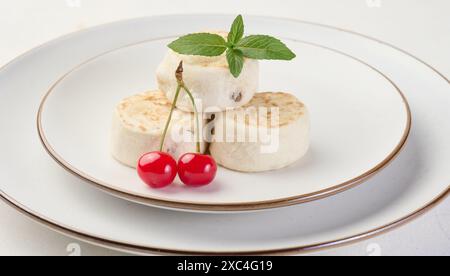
(286, 107)
(144, 111)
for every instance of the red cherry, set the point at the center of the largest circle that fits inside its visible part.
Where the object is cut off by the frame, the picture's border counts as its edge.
(157, 169)
(196, 169)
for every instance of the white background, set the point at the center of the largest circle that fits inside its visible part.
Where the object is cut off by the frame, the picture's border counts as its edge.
(421, 27)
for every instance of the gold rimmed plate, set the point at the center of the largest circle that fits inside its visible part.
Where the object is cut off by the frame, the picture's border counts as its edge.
(31, 182)
(360, 121)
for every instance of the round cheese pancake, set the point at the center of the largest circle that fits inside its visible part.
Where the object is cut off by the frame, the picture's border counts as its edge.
(269, 133)
(138, 125)
(210, 81)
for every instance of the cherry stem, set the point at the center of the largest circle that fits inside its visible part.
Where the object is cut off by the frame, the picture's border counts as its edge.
(179, 77)
(166, 128)
(196, 116)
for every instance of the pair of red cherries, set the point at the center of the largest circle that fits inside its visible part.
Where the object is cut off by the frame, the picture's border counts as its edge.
(159, 169)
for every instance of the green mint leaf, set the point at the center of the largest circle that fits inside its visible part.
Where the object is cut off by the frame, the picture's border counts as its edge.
(264, 47)
(235, 62)
(200, 44)
(237, 30)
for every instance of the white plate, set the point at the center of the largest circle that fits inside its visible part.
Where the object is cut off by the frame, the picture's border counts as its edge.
(360, 121)
(33, 183)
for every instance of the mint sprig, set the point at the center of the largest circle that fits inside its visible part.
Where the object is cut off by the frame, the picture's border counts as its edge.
(237, 30)
(235, 60)
(264, 47)
(237, 47)
(202, 44)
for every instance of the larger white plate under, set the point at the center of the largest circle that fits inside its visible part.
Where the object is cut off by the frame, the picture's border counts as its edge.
(359, 122)
(32, 182)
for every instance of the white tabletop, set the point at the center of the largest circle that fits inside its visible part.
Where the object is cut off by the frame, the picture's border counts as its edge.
(421, 27)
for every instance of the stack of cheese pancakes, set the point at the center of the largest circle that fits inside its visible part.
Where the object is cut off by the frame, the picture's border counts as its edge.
(242, 129)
